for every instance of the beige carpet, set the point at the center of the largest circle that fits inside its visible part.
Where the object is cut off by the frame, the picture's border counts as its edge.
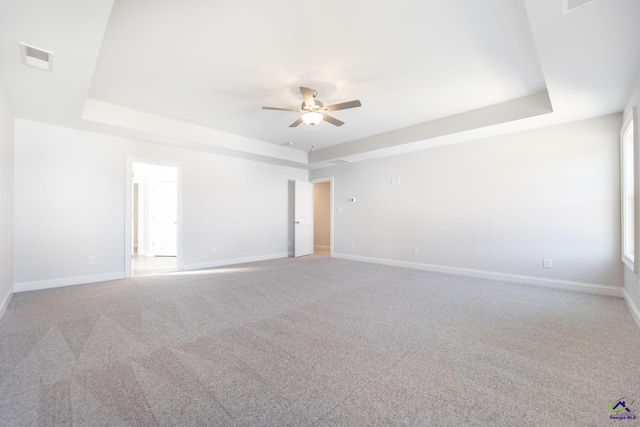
(315, 341)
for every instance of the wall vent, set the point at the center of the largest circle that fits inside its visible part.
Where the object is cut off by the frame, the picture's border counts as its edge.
(36, 57)
(569, 6)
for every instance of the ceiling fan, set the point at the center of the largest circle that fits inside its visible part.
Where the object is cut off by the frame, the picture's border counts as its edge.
(313, 111)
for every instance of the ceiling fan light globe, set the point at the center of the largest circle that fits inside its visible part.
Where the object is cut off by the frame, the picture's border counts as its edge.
(312, 118)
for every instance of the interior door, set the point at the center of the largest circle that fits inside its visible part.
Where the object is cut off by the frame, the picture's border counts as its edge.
(303, 218)
(164, 218)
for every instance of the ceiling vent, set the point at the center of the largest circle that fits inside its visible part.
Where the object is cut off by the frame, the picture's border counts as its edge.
(36, 57)
(573, 5)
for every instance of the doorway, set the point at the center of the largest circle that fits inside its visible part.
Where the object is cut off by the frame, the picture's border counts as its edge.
(314, 208)
(322, 218)
(323, 206)
(154, 218)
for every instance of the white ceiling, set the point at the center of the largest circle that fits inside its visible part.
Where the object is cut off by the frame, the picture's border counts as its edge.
(196, 73)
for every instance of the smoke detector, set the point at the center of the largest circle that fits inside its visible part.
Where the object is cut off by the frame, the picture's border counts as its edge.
(35, 57)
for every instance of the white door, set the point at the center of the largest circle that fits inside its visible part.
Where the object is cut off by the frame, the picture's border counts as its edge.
(164, 221)
(303, 217)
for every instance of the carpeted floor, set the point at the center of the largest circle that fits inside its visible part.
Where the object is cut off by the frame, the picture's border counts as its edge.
(315, 341)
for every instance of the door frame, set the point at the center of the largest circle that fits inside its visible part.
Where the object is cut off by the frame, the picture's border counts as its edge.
(128, 211)
(304, 218)
(330, 180)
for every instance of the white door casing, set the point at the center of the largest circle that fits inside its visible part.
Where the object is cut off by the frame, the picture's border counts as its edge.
(128, 225)
(303, 218)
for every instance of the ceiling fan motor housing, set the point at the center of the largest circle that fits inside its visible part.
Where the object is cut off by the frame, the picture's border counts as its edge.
(317, 106)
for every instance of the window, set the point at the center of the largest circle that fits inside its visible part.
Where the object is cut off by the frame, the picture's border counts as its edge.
(629, 179)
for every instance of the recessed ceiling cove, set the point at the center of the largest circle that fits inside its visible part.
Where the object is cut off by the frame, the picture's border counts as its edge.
(215, 64)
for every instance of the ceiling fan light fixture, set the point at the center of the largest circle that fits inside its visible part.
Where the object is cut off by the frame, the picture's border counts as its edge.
(313, 111)
(312, 118)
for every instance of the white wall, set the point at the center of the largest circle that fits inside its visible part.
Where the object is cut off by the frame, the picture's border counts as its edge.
(631, 279)
(70, 204)
(496, 205)
(6, 200)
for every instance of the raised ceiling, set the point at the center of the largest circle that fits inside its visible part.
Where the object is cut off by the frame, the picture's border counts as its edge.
(196, 73)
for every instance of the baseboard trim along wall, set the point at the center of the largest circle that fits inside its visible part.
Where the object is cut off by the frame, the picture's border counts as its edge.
(321, 248)
(66, 281)
(231, 261)
(81, 280)
(527, 280)
(633, 308)
(5, 302)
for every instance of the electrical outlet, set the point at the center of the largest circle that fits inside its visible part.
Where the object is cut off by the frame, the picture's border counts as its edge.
(92, 260)
(416, 251)
(546, 263)
(353, 245)
(214, 250)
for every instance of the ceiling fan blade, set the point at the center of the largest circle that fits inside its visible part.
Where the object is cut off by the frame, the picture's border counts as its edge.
(332, 120)
(296, 123)
(307, 95)
(280, 109)
(342, 106)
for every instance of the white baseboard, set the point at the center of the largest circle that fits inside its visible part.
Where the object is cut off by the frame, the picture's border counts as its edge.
(633, 308)
(505, 277)
(4, 303)
(223, 262)
(66, 281)
(80, 280)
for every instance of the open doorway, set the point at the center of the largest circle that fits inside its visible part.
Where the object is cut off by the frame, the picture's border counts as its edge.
(154, 228)
(310, 218)
(323, 216)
